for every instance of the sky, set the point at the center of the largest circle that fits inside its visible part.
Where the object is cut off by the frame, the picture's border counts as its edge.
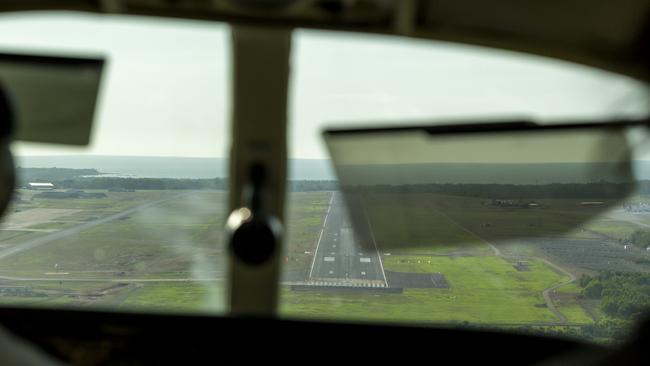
(166, 87)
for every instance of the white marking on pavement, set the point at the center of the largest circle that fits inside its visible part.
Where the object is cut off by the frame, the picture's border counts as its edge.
(328, 259)
(364, 260)
(311, 271)
(374, 242)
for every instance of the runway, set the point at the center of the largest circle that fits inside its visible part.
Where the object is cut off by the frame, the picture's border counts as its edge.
(338, 259)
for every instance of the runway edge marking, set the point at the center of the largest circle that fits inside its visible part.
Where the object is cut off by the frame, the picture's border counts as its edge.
(313, 262)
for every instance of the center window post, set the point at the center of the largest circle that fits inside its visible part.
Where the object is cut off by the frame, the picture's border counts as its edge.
(258, 163)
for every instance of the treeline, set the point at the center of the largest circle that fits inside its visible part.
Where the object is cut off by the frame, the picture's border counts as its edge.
(602, 190)
(177, 184)
(606, 330)
(622, 295)
(312, 185)
(64, 178)
(639, 238)
(143, 183)
(492, 191)
(83, 179)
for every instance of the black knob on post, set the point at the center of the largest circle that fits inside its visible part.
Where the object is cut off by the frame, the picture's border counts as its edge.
(254, 234)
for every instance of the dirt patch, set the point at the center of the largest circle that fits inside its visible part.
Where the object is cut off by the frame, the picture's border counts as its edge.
(295, 275)
(522, 266)
(35, 216)
(561, 297)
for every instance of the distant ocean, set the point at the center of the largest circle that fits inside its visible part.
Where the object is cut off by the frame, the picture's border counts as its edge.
(168, 167)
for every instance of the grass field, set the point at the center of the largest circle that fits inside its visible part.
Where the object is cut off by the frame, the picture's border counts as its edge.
(482, 290)
(305, 215)
(176, 297)
(127, 259)
(391, 214)
(575, 313)
(613, 228)
(159, 238)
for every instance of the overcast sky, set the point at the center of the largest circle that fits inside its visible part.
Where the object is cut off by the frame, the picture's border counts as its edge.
(165, 92)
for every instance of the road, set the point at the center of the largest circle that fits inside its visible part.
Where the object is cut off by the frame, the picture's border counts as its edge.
(338, 259)
(546, 294)
(57, 235)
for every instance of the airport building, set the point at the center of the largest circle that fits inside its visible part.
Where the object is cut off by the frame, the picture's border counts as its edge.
(40, 186)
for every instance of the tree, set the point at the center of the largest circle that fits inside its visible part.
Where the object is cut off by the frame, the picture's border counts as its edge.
(593, 290)
(584, 280)
(640, 238)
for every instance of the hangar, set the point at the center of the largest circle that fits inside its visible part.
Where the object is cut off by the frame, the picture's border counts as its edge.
(42, 186)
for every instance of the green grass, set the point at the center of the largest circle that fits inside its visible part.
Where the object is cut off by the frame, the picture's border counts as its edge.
(430, 230)
(24, 236)
(49, 301)
(553, 218)
(573, 288)
(484, 290)
(51, 225)
(441, 224)
(10, 234)
(613, 229)
(149, 296)
(575, 314)
(305, 216)
(176, 297)
(160, 238)
(113, 201)
(172, 239)
(67, 285)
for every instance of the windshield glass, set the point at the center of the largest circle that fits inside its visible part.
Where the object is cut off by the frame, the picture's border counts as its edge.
(133, 221)
(457, 229)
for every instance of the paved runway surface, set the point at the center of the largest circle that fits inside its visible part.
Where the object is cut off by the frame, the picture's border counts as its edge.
(339, 260)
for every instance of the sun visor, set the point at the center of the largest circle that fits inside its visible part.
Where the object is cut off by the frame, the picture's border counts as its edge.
(53, 98)
(467, 184)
